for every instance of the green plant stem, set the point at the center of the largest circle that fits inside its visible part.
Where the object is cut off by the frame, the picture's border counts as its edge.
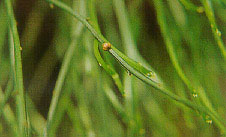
(64, 7)
(167, 92)
(131, 99)
(136, 72)
(59, 83)
(170, 48)
(37, 120)
(216, 32)
(20, 101)
(190, 6)
(169, 44)
(108, 68)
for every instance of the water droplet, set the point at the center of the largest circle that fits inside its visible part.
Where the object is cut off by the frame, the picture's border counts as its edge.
(218, 32)
(51, 6)
(195, 95)
(100, 64)
(209, 121)
(150, 74)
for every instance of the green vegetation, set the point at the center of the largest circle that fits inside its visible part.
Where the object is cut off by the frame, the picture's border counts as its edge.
(162, 71)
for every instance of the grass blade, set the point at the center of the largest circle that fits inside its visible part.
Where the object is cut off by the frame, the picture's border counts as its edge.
(21, 112)
(216, 32)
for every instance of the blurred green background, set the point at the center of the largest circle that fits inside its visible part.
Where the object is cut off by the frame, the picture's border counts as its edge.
(90, 102)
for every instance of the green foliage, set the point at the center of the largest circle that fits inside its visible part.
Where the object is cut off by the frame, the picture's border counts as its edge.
(162, 75)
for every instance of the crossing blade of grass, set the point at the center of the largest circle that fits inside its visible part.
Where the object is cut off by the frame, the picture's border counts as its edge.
(8, 91)
(138, 70)
(216, 32)
(169, 44)
(131, 99)
(160, 121)
(72, 112)
(190, 6)
(9, 116)
(37, 120)
(21, 106)
(109, 93)
(59, 83)
(82, 112)
(115, 103)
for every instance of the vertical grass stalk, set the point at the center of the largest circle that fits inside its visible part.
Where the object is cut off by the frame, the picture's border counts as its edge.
(216, 32)
(20, 100)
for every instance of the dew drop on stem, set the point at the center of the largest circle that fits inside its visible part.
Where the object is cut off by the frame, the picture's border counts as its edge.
(209, 121)
(129, 73)
(218, 32)
(150, 74)
(195, 95)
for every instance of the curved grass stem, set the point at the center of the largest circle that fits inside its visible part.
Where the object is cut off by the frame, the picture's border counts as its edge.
(136, 69)
(170, 49)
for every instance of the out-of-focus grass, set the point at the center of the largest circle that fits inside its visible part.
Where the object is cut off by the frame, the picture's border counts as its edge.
(68, 93)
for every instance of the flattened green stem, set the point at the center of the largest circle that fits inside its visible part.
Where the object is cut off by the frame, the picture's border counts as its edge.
(108, 68)
(216, 32)
(111, 71)
(129, 65)
(167, 92)
(20, 101)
